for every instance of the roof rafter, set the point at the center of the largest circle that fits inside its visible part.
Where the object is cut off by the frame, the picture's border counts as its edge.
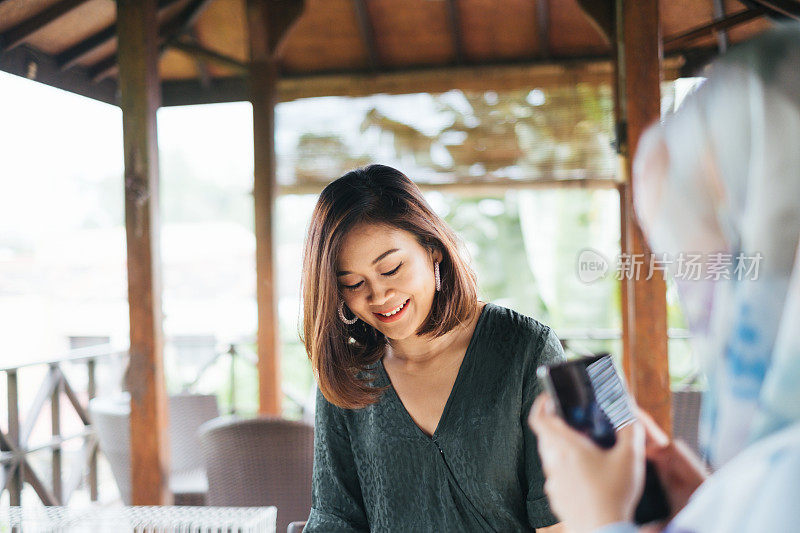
(454, 17)
(787, 8)
(367, 33)
(707, 29)
(171, 30)
(72, 55)
(200, 64)
(22, 31)
(202, 53)
(35, 65)
(75, 53)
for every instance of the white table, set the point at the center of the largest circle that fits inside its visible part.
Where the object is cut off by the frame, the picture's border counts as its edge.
(161, 519)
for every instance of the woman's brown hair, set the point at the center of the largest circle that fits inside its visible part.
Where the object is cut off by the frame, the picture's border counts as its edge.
(341, 354)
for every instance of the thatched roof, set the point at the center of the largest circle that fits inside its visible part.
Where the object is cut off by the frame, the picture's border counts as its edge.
(353, 46)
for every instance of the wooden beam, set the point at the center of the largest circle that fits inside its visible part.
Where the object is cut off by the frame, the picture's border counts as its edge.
(268, 21)
(21, 32)
(505, 76)
(204, 54)
(183, 20)
(456, 35)
(497, 77)
(25, 62)
(139, 100)
(172, 29)
(543, 27)
(72, 55)
(193, 92)
(367, 33)
(786, 8)
(103, 68)
(645, 321)
(200, 64)
(675, 41)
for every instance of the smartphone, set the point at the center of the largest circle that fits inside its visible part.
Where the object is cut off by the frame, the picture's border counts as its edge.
(574, 389)
(571, 389)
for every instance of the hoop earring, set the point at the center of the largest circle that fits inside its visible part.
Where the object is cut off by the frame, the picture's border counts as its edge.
(343, 318)
(437, 277)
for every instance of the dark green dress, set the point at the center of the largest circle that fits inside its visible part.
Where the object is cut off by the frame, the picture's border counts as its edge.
(376, 470)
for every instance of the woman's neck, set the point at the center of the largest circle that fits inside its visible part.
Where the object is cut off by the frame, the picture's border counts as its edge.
(423, 352)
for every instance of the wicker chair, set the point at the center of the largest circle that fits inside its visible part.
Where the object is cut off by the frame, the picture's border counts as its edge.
(111, 421)
(259, 462)
(187, 474)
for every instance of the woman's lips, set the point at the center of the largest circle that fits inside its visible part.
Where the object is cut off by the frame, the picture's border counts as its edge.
(395, 316)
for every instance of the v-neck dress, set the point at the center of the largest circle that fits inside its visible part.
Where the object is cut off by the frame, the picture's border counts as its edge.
(376, 470)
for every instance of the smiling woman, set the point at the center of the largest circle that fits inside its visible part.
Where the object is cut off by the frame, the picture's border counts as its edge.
(424, 390)
(363, 226)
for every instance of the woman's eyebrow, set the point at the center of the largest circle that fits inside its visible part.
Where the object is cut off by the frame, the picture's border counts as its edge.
(384, 254)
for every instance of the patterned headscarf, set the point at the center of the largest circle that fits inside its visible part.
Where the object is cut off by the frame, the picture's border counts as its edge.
(721, 177)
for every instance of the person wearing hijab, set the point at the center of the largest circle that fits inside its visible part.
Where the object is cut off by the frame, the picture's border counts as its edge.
(720, 177)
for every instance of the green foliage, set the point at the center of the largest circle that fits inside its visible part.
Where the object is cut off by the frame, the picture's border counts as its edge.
(494, 242)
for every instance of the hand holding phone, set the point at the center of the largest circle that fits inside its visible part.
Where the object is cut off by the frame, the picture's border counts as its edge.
(591, 397)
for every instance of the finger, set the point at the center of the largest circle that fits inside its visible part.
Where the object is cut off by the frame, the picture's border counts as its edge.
(544, 418)
(692, 465)
(552, 431)
(657, 438)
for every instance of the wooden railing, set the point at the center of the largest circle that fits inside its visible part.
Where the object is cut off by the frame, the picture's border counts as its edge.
(16, 446)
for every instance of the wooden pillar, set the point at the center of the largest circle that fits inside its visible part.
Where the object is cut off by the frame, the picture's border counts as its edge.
(638, 69)
(140, 98)
(268, 21)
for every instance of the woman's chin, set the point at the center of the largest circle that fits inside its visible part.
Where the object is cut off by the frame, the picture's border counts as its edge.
(400, 332)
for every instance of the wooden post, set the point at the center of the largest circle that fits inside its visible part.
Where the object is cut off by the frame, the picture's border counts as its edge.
(140, 97)
(268, 21)
(638, 46)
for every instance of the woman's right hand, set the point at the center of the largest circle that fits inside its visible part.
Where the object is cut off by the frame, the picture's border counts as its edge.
(680, 470)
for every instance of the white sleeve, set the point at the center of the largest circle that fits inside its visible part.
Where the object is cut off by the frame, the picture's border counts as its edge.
(758, 491)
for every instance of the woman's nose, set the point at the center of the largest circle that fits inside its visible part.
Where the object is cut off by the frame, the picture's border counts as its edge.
(380, 293)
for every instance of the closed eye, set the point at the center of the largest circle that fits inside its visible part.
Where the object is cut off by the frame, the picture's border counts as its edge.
(360, 283)
(353, 287)
(393, 271)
